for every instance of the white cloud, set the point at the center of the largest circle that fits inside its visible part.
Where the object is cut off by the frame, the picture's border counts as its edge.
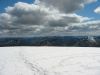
(97, 10)
(28, 13)
(41, 18)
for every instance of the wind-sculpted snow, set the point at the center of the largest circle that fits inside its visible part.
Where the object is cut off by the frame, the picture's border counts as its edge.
(49, 61)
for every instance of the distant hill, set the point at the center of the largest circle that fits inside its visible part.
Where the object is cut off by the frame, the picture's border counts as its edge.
(75, 41)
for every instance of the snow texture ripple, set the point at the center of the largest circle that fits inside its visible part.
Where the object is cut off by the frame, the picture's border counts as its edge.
(49, 61)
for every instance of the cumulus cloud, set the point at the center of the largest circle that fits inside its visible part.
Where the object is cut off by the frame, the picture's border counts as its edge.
(68, 6)
(28, 13)
(97, 10)
(44, 17)
(24, 18)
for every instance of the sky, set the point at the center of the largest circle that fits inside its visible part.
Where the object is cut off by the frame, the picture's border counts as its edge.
(6, 3)
(49, 17)
(89, 10)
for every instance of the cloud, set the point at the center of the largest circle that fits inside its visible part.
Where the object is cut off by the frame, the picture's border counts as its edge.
(97, 10)
(66, 19)
(86, 26)
(28, 13)
(68, 6)
(89, 1)
(44, 18)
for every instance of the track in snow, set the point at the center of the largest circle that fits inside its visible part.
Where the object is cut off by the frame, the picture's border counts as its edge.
(49, 61)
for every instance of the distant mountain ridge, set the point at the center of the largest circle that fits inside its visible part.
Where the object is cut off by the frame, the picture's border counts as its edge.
(75, 41)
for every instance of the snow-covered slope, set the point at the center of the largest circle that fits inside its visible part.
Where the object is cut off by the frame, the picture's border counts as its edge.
(49, 61)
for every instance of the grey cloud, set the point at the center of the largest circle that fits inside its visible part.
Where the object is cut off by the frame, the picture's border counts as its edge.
(68, 6)
(89, 1)
(27, 13)
(24, 18)
(66, 20)
(86, 26)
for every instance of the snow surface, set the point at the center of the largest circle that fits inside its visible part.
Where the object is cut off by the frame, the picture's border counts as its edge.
(49, 61)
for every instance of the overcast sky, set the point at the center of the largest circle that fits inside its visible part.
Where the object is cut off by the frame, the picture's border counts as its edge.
(49, 17)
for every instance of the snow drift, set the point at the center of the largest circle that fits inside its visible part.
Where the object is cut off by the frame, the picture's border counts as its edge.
(49, 61)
